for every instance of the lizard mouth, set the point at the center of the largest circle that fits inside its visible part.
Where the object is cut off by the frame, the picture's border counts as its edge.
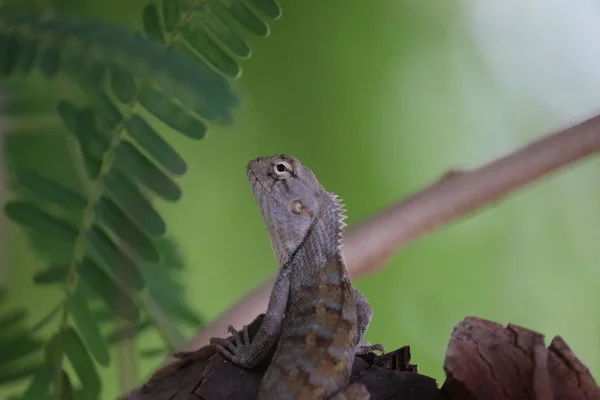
(255, 181)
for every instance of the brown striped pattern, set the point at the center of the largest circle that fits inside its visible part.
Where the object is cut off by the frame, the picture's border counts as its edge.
(317, 346)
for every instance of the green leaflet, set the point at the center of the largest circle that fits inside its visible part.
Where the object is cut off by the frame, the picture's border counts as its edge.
(134, 203)
(171, 14)
(77, 44)
(47, 318)
(172, 258)
(131, 162)
(119, 263)
(175, 307)
(197, 39)
(223, 31)
(8, 56)
(25, 58)
(151, 22)
(246, 17)
(88, 327)
(17, 346)
(152, 142)
(32, 217)
(39, 387)
(105, 113)
(204, 26)
(127, 333)
(53, 274)
(81, 360)
(171, 112)
(120, 224)
(269, 7)
(10, 319)
(17, 372)
(52, 191)
(123, 84)
(50, 62)
(98, 281)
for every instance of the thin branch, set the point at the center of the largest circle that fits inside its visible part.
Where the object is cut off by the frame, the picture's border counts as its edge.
(369, 245)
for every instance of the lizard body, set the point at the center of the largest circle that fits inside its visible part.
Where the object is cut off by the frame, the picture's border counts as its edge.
(315, 317)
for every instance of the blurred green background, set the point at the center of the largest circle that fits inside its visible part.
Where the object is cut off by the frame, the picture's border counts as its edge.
(379, 99)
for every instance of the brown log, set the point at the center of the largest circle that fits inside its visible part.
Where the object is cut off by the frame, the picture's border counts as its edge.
(484, 360)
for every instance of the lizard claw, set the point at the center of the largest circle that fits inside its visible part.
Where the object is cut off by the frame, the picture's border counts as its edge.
(236, 347)
(242, 340)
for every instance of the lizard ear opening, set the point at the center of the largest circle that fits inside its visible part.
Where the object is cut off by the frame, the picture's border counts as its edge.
(296, 207)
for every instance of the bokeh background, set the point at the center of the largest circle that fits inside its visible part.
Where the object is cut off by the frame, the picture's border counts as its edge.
(380, 98)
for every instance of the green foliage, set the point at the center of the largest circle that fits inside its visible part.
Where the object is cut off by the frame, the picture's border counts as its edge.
(104, 241)
(18, 345)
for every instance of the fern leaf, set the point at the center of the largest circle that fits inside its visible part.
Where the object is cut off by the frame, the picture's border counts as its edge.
(150, 140)
(81, 360)
(53, 274)
(88, 327)
(135, 204)
(269, 7)
(18, 346)
(11, 319)
(125, 333)
(219, 27)
(151, 22)
(120, 264)
(176, 308)
(129, 160)
(78, 46)
(17, 372)
(246, 17)
(39, 387)
(99, 282)
(202, 28)
(53, 191)
(33, 217)
(119, 223)
(197, 40)
(123, 84)
(171, 112)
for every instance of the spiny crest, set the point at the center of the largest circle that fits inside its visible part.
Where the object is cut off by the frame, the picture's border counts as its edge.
(340, 210)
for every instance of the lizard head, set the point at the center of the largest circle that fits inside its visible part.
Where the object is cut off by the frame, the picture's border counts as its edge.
(291, 200)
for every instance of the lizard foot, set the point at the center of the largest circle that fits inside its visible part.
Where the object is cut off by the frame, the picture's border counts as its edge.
(367, 348)
(237, 348)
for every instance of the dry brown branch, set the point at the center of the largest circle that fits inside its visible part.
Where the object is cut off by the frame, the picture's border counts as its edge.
(370, 244)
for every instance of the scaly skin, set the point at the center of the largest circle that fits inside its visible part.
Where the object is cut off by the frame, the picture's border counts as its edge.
(315, 317)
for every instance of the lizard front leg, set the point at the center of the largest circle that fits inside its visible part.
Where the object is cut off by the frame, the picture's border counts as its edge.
(364, 314)
(238, 349)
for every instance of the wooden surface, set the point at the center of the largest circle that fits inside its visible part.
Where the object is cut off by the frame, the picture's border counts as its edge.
(484, 361)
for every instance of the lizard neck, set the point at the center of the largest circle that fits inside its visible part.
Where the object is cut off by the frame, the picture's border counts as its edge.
(323, 241)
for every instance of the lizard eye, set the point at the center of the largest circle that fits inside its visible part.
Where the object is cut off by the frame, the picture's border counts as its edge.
(282, 169)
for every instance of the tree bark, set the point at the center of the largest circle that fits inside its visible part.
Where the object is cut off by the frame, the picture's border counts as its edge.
(484, 361)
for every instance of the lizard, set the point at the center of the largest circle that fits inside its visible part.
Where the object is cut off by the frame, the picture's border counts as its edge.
(316, 319)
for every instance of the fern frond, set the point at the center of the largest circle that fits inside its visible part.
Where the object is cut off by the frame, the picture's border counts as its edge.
(206, 29)
(105, 237)
(87, 49)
